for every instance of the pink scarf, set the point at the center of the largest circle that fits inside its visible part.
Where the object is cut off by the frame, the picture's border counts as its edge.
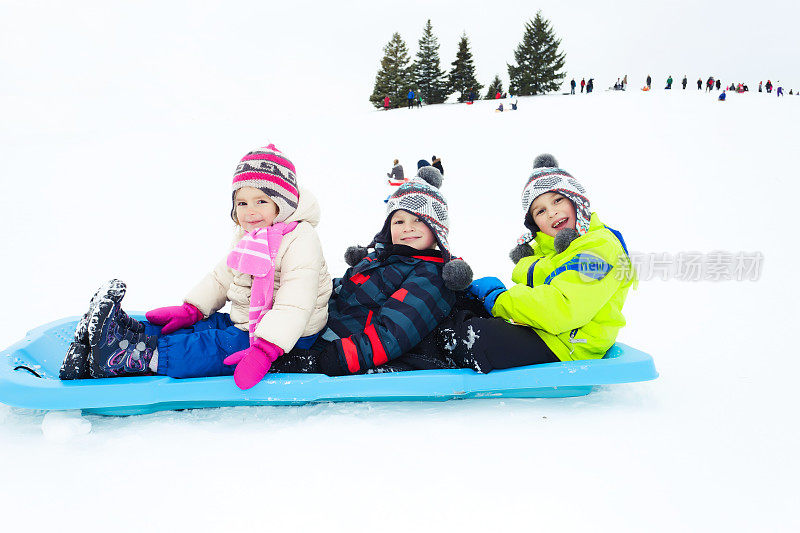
(255, 255)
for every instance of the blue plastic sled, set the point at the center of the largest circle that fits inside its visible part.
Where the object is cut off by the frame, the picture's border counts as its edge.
(29, 379)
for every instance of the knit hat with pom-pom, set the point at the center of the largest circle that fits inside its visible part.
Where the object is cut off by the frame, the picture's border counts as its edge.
(421, 197)
(268, 170)
(548, 177)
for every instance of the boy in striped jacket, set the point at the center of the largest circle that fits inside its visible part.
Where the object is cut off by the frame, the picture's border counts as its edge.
(393, 297)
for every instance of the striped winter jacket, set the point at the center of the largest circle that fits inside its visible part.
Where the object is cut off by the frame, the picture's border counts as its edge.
(386, 304)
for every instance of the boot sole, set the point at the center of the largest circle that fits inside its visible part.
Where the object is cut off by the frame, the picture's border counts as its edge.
(114, 290)
(76, 362)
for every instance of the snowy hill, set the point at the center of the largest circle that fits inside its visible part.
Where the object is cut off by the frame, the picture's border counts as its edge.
(121, 124)
(710, 445)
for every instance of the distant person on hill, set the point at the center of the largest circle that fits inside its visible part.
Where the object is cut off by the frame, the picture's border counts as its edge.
(471, 95)
(625, 82)
(572, 86)
(583, 84)
(684, 82)
(721, 97)
(397, 172)
(437, 162)
(699, 83)
(499, 108)
(780, 91)
(386, 103)
(590, 85)
(410, 98)
(719, 83)
(760, 85)
(498, 96)
(514, 103)
(669, 83)
(649, 81)
(769, 86)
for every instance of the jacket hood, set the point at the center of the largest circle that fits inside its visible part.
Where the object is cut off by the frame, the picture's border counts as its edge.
(308, 209)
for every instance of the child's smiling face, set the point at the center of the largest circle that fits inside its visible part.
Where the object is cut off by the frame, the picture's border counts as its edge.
(254, 209)
(410, 230)
(553, 212)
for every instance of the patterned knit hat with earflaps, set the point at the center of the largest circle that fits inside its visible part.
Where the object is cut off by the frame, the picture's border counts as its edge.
(268, 170)
(548, 177)
(423, 199)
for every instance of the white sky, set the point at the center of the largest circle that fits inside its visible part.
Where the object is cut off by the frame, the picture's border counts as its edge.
(58, 59)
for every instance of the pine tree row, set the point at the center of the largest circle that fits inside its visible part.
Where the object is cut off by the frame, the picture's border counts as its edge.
(538, 68)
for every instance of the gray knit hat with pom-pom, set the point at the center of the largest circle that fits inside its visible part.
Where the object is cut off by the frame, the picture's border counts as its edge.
(421, 197)
(548, 177)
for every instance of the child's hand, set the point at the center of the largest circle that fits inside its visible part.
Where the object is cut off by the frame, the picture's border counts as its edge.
(487, 290)
(253, 363)
(174, 317)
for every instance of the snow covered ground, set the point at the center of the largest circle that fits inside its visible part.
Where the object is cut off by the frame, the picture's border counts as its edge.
(117, 183)
(710, 445)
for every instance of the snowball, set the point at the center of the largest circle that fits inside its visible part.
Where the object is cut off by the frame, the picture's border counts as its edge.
(62, 426)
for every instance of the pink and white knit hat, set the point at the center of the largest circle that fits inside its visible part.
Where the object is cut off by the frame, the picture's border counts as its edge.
(269, 170)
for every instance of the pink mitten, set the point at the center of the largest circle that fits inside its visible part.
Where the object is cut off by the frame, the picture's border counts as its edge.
(253, 363)
(174, 317)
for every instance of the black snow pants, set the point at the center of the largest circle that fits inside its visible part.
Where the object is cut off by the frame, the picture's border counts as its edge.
(486, 344)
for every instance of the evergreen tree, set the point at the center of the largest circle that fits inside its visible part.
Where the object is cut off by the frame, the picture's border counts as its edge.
(428, 79)
(462, 75)
(539, 63)
(393, 78)
(495, 87)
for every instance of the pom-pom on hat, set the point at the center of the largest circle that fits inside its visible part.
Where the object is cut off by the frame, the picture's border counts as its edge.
(268, 170)
(548, 177)
(431, 175)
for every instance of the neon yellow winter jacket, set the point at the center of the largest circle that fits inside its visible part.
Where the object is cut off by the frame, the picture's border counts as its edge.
(574, 299)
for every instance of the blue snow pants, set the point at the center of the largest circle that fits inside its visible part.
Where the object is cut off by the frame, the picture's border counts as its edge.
(198, 351)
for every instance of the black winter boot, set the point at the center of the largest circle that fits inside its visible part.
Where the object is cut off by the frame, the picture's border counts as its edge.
(297, 361)
(309, 362)
(126, 322)
(115, 350)
(113, 289)
(458, 342)
(76, 362)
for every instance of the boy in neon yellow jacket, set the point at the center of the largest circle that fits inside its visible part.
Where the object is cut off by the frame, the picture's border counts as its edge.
(571, 278)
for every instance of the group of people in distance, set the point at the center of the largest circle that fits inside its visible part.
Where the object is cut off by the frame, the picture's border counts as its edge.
(588, 85)
(406, 302)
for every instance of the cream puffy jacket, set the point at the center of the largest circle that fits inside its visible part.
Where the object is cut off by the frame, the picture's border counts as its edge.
(302, 284)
